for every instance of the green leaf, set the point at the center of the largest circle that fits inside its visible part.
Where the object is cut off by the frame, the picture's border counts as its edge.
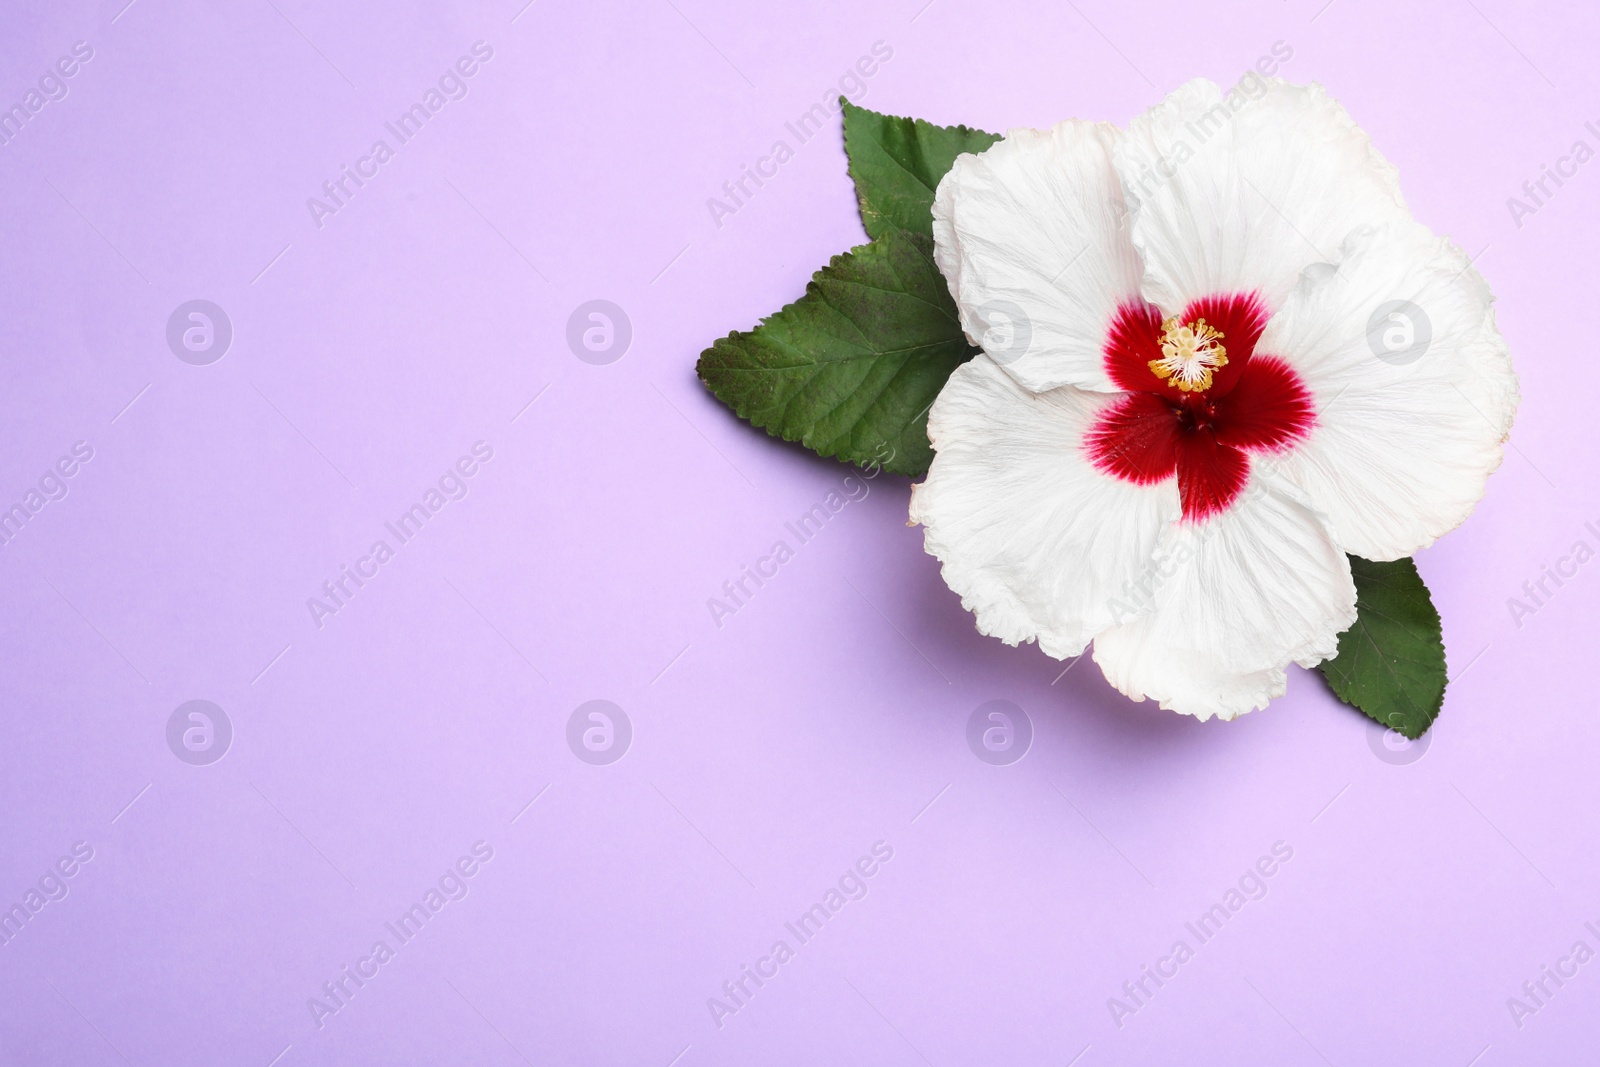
(896, 164)
(1390, 664)
(851, 368)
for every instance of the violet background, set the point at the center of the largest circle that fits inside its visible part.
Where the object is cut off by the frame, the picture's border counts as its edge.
(827, 714)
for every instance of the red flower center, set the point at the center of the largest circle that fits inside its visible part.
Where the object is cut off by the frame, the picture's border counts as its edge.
(1199, 400)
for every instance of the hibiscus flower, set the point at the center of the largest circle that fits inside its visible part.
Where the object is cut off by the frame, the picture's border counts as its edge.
(1219, 354)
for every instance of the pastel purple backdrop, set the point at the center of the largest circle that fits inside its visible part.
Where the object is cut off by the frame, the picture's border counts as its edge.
(769, 754)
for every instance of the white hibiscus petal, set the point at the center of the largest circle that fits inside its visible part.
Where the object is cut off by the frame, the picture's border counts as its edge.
(1031, 236)
(1236, 599)
(1037, 542)
(1413, 388)
(1241, 192)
